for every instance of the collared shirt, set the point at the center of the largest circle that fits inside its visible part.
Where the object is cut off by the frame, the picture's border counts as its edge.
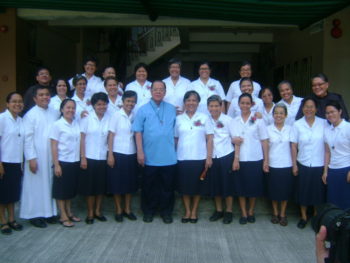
(156, 123)
(280, 155)
(143, 92)
(292, 109)
(81, 105)
(234, 90)
(11, 138)
(120, 124)
(55, 103)
(234, 109)
(114, 107)
(191, 134)
(310, 141)
(175, 93)
(92, 86)
(268, 116)
(253, 131)
(223, 134)
(213, 87)
(96, 132)
(338, 140)
(68, 137)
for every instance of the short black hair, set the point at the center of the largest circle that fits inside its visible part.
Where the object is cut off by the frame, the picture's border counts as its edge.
(158, 80)
(64, 102)
(245, 79)
(77, 78)
(245, 63)
(243, 95)
(9, 96)
(90, 58)
(129, 94)
(99, 96)
(40, 69)
(39, 87)
(140, 65)
(190, 93)
(109, 78)
(55, 83)
(263, 90)
(321, 76)
(334, 104)
(307, 99)
(285, 82)
(204, 63)
(174, 61)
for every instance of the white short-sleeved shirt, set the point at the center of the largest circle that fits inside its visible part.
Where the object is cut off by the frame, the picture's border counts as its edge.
(234, 90)
(268, 116)
(120, 124)
(253, 131)
(310, 141)
(81, 105)
(234, 109)
(11, 138)
(68, 137)
(114, 107)
(92, 86)
(191, 134)
(280, 155)
(338, 140)
(213, 87)
(175, 93)
(292, 109)
(55, 103)
(96, 132)
(223, 134)
(143, 92)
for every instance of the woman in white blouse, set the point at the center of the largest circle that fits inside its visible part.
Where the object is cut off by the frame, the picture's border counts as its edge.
(11, 158)
(194, 141)
(280, 181)
(308, 151)
(82, 102)
(93, 156)
(266, 95)
(251, 157)
(220, 175)
(336, 172)
(114, 97)
(292, 102)
(122, 174)
(207, 86)
(61, 87)
(109, 71)
(65, 147)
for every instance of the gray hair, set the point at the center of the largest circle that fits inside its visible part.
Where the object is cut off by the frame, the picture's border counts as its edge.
(280, 105)
(214, 98)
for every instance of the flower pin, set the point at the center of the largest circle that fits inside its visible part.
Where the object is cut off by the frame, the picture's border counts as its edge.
(148, 87)
(120, 93)
(212, 87)
(219, 125)
(197, 123)
(252, 120)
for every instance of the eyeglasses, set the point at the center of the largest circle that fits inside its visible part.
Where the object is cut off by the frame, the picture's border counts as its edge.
(318, 84)
(16, 101)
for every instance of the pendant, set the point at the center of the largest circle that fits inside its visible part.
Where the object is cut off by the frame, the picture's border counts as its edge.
(161, 122)
(333, 147)
(19, 135)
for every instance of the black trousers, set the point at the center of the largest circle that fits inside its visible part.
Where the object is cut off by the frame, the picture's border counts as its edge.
(158, 183)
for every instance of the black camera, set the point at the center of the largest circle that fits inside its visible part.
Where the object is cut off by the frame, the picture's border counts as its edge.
(337, 222)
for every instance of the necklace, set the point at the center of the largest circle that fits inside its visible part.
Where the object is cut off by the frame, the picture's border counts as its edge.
(336, 132)
(159, 111)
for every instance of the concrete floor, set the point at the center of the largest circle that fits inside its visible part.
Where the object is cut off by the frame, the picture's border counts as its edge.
(156, 242)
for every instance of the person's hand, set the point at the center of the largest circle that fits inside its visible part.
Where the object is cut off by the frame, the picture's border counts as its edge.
(324, 177)
(2, 170)
(84, 114)
(141, 158)
(33, 166)
(58, 170)
(258, 115)
(237, 140)
(235, 165)
(266, 168)
(321, 251)
(295, 170)
(179, 110)
(110, 160)
(208, 162)
(348, 177)
(83, 163)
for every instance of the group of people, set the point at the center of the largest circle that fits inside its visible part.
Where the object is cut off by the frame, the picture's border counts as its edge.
(179, 136)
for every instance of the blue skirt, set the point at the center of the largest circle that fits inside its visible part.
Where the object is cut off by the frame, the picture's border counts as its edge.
(123, 177)
(92, 181)
(310, 188)
(188, 182)
(280, 184)
(338, 192)
(11, 183)
(65, 187)
(249, 180)
(221, 176)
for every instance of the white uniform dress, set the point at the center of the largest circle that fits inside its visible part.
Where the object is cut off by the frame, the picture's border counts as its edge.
(114, 107)
(175, 93)
(143, 92)
(235, 111)
(268, 116)
(36, 199)
(81, 105)
(55, 103)
(234, 90)
(213, 87)
(292, 109)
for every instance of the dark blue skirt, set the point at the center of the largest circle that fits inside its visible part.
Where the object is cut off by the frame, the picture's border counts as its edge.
(310, 188)
(123, 177)
(221, 176)
(249, 180)
(338, 192)
(92, 181)
(65, 187)
(280, 184)
(188, 182)
(11, 183)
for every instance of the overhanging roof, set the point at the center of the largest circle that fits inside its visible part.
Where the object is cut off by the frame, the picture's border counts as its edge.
(293, 12)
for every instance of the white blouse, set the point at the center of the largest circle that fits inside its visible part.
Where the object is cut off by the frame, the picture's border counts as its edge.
(143, 92)
(292, 109)
(191, 134)
(114, 107)
(234, 90)
(234, 109)
(253, 131)
(338, 141)
(11, 138)
(55, 103)
(68, 137)
(280, 155)
(120, 124)
(268, 116)
(96, 132)
(223, 134)
(175, 93)
(213, 87)
(81, 105)
(310, 141)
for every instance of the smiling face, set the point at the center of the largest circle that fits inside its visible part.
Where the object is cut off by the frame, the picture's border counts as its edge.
(333, 115)
(245, 104)
(100, 107)
(245, 71)
(15, 104)
(174, 70)
(191, 104)
(109, 72)
(112, 88)
(90, 68)
(43, 77)
(309, 109)
(80, 87)
(68, 110)
(246, 87)
(319, 87)
(42, 98)
(129, 104)
(214, 108)
(279, 115)
(267, 96)
(158, 91)
(204, 71)
(61, 88)
(286, 92)
(141, 75)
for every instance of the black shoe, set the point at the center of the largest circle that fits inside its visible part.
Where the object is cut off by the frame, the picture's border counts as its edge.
(193, 220)
(167, 219)
(118, 217)
(147, 218)
(251, 219)
(51, 220)
(130, 216)
(89, 220)
(5, 229)
(38, 222)
(15, 226)
(228, 216)
(185, 220)
(302, 223)
(216, 216)
(243, 220)
(101, 218)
